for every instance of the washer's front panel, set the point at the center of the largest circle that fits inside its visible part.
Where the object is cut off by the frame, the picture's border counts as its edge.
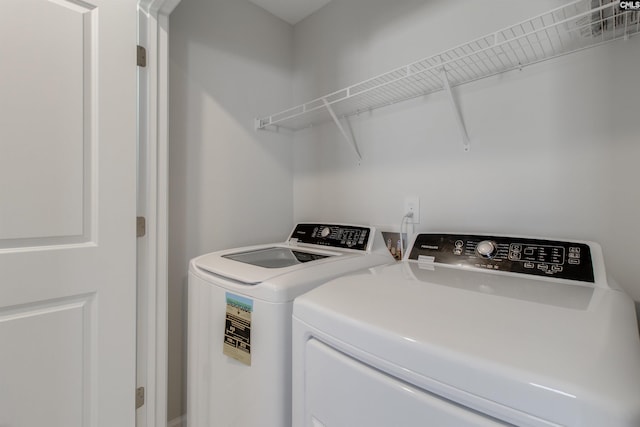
(558, 259)
(223, 391)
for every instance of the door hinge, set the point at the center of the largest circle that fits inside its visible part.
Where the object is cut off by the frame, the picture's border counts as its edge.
(139, 397)
(141, 56)
(141, 226)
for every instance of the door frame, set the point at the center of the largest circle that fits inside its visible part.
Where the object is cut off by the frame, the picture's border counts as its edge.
(153, 135)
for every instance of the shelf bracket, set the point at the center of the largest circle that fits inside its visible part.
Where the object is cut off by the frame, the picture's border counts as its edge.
(349, 138)
(456, 110)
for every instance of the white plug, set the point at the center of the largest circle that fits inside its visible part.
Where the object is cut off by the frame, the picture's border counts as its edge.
(412, 209)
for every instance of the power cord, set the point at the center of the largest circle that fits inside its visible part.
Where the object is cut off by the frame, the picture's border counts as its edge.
(406, 216)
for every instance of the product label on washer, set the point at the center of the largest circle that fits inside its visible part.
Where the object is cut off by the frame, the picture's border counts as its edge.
(237, 329)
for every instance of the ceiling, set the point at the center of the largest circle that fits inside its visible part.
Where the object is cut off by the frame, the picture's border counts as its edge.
(291, 11)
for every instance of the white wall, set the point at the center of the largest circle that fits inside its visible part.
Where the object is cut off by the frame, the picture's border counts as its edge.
(554, 147)
(230, 62)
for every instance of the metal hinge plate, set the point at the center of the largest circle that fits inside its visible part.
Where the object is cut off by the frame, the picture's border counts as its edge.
(142, 57)
(139, 397)
(141, 226)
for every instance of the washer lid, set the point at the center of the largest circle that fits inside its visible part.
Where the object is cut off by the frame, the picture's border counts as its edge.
(546, 350)
(256, 264)
(275, 257)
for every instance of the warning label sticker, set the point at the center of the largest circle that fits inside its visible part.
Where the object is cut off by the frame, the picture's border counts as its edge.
(237, 329)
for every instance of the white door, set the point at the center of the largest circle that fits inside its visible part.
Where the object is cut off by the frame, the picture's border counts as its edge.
(67, 213)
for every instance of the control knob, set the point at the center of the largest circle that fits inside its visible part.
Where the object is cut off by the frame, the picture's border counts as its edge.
(487, 248)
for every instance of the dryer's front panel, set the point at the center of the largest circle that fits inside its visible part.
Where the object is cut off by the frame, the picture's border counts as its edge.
(340, 391)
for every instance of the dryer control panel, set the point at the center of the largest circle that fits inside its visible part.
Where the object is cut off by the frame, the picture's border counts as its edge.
(337, 236)
(560, 259)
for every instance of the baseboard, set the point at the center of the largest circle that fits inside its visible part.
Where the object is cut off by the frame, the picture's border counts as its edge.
(178, 422)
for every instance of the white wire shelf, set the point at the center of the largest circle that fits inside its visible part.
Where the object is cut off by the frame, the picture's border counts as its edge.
(575, 26)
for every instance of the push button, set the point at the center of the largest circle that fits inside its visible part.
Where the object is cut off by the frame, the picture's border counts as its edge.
(515, 256)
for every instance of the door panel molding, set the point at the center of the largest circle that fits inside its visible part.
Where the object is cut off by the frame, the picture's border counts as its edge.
(48, 197)
(62, 335)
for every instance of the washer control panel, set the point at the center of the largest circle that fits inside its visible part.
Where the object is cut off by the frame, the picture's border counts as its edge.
(560, 259)
(337, 236)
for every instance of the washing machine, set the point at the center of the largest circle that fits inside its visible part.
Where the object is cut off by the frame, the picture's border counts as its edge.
(239, 319)
(470, 330)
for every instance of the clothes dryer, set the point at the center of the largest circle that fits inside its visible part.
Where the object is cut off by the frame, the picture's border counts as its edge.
(470, 330)
(239, 322)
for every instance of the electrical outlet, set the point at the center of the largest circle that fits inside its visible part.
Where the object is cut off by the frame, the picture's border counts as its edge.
(412, 204)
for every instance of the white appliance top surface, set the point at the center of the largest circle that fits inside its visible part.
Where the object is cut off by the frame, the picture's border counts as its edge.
(276, 257)
(564, 352)
(278, 272)
(256, 264)
(309, 245)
